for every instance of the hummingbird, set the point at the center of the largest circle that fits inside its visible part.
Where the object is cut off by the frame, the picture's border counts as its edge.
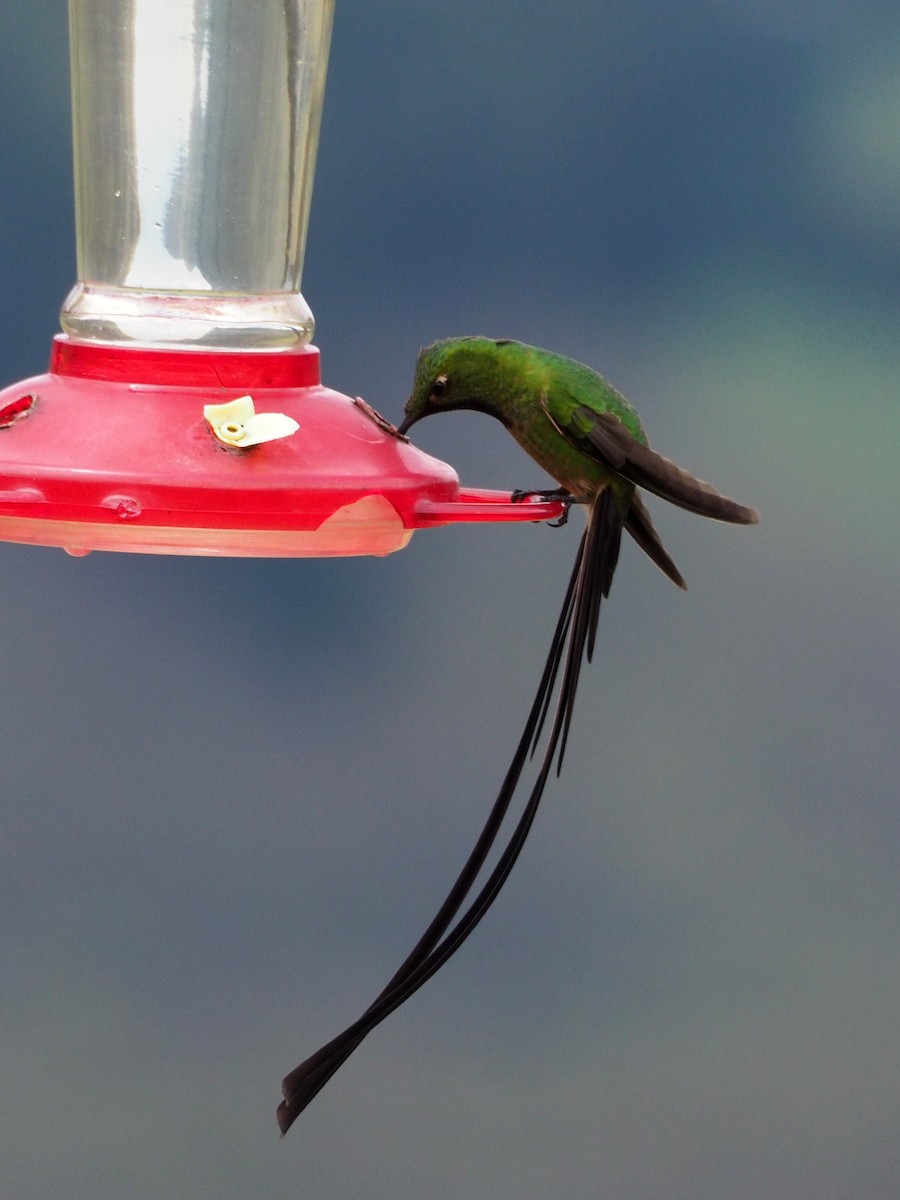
(587, 437)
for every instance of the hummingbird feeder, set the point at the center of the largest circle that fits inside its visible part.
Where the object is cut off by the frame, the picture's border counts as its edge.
(183, 411)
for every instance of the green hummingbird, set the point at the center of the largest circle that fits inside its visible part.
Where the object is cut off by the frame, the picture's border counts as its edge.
(587, 436)
(575, 425)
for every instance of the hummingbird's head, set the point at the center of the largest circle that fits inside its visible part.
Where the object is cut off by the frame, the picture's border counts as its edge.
(453, 374)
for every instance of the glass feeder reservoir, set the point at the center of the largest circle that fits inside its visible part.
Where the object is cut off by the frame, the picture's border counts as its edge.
(195, 129)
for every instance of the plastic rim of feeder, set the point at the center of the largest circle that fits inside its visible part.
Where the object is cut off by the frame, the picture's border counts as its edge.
(111, 451)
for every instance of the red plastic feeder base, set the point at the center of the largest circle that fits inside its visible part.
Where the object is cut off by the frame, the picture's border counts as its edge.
(111, 451)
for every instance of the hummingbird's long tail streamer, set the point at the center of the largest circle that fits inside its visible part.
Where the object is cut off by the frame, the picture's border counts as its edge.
(574, 634)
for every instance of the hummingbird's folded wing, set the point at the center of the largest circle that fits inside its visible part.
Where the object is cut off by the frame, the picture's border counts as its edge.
(605, 437)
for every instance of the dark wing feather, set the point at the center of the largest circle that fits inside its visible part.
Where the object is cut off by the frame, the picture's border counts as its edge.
(619, 450)
(640, 527)
(573, 637)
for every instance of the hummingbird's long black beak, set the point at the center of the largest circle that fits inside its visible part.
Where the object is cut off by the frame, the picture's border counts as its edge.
(407, 423)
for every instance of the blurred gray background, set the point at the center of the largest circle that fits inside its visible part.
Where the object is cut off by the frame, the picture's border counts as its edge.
(234, 792)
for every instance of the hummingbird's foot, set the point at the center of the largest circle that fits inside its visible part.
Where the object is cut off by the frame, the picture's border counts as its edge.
(559, 493)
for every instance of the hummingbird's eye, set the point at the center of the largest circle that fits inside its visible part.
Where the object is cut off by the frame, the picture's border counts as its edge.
(439, 387)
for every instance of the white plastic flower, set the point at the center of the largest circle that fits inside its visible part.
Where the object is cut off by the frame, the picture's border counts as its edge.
(237, 423)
